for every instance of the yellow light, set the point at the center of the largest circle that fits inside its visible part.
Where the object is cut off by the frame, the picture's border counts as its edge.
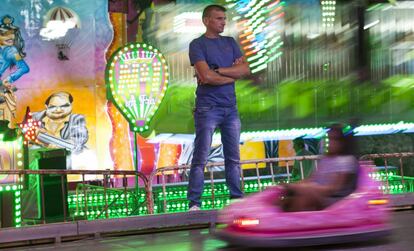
(378, 202)
(243, 222)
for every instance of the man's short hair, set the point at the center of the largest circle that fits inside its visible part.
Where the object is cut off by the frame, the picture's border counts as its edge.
(207, 10)
(60, 94)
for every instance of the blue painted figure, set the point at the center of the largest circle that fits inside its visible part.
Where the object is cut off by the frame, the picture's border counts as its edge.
(11, 52)
(11, 58)
(218, 62)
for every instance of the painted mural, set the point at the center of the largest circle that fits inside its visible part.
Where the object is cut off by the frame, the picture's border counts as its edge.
(52, 59)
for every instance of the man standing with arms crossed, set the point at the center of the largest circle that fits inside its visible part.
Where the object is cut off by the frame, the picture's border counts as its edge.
(218, 62)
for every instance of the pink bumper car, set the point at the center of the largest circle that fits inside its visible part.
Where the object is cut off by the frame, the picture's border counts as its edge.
(256, 222)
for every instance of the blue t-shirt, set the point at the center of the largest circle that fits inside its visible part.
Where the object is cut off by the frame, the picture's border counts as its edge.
(217, 52)
(331, 165)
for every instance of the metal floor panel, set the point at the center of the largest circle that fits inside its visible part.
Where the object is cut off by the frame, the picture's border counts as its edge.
(201, 240)
(57, 231)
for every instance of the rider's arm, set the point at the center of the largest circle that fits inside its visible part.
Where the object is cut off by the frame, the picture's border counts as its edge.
(339, 180)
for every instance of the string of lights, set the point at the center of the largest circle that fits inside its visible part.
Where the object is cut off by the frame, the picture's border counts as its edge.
(328, 12)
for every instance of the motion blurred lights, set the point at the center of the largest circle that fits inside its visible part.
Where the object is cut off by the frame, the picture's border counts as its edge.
(288, 134)
(379, 129)
(136, 79)
(188, 22)
(328, 13)
(260, 27)
(366, 27)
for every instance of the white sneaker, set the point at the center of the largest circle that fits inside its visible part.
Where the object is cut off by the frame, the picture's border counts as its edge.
(194, 208)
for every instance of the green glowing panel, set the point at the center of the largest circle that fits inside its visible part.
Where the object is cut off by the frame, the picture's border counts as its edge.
(176, 197)
(11, 158)
(136, 79)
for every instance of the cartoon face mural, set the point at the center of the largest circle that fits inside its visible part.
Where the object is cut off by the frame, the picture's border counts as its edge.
(7, 38)
(59, 126)
(59, 106)
(66, 94)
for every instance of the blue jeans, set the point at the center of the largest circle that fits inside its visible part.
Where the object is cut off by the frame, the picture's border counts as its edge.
(206, 120)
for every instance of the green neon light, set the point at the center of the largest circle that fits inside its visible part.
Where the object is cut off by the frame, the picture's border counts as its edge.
(328, 12)
(8, 188)
(176, 197)
(137, 79)
(17, 208)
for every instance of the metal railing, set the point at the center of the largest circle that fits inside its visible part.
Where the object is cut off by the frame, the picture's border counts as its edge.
(270, 165)
(276, 170)
(272, 162)
(387, 157)
(83, 187)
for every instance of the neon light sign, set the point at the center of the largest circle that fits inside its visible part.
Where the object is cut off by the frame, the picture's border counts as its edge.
(136, 79)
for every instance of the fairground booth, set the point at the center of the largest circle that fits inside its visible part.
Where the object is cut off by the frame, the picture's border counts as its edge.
(97, 98)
